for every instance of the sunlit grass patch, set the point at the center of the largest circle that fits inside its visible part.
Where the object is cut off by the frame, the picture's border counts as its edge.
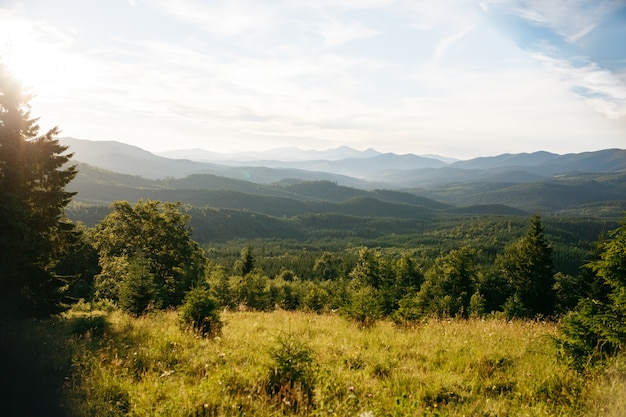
(149, 366)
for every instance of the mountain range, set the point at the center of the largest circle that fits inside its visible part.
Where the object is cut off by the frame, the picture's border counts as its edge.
(291, 182)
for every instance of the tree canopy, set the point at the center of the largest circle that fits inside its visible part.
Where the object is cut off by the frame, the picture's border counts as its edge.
(146, 248)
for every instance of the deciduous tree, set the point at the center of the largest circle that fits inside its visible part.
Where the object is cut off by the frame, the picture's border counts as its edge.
(158, 235)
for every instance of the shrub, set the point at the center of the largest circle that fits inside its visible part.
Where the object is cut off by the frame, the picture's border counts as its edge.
(409, 312)
(364, 307)
(92, 325)
(200, 312)
(291, 376)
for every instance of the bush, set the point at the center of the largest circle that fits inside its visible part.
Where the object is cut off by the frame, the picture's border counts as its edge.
(409, 312)
(291, 377)
(364, 307)
(88, 326)
(200, 311)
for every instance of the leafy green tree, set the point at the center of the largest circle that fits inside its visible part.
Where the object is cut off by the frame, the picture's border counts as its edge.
(527, 266)
(160, 235)
(34, 172)
(596, 330)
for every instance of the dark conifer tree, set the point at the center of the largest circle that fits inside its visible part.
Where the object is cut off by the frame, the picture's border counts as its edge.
(34, 172)
(527, 266)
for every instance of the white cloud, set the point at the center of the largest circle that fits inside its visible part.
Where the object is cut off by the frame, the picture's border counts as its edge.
(424, 77)
(223, 18)
(443, 45)
(338, 32)
(572, 19)
(605, 91)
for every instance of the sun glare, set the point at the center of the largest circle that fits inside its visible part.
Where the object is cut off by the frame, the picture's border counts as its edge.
(41, 66)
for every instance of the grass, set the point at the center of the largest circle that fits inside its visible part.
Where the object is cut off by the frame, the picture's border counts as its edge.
(148, 366)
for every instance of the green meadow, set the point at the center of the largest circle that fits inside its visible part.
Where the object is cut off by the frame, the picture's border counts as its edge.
(114, 364)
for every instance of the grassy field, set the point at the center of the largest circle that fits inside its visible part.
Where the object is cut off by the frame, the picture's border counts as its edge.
(119, 365)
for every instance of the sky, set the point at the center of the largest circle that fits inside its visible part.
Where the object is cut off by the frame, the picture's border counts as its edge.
(458, 78)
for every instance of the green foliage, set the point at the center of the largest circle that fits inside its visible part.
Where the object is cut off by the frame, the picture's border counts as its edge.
(476, 305)
(159, 236)
(200, 311)
(292, 374)
(453, 278)
(245, 263)
(92, 325)
(34, 172)
(596, 330)
(527, 265)
(364, 306)
(410, 311)
(253, 291)
(137, 290)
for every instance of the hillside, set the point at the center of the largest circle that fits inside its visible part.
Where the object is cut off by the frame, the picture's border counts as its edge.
(590, 184)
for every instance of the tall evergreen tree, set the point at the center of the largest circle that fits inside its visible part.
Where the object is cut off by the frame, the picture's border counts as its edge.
(34, 171)
(596, 330)
(527, 266)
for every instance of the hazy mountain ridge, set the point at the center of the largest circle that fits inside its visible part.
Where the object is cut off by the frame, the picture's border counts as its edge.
(370, 170)
(506, 184)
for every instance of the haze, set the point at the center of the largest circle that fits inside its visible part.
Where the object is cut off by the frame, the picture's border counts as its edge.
(456, 78)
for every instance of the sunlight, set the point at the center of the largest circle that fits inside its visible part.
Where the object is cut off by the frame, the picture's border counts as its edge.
(39, 63)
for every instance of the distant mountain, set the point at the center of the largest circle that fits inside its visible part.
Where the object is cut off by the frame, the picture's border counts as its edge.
(128, 159)
(545, 163)
(585, 183)
(280, 154)
(131, 160)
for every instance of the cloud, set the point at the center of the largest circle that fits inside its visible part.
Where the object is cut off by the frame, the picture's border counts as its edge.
(605, 91)
(443, 45)
(338, 32)
(572, 19)
(222, 18)
(396, 75)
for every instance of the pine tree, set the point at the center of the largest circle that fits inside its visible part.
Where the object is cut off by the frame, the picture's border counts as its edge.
(527, 266)
(596, 330)
(34, 171)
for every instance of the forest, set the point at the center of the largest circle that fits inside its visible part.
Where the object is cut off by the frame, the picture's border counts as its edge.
(346, 302)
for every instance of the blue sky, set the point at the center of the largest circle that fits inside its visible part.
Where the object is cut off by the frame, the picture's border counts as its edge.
(459, 78)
